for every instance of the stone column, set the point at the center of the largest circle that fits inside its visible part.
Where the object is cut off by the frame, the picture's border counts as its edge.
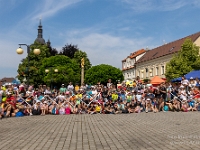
(82, 70)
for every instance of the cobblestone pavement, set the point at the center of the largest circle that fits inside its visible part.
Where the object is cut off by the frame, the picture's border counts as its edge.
(145, 131)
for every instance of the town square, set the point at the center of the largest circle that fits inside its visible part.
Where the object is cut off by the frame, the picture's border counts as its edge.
(161, 131)
(105, 75)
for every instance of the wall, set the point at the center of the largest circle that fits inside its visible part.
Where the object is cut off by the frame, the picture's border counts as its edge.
(131, 73)
(139, 56)
(197, 42)
(152, 64)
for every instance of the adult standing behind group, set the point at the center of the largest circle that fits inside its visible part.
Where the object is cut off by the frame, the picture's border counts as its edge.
(109, 84)
(70, 87)
(63, 89)
(163, 92)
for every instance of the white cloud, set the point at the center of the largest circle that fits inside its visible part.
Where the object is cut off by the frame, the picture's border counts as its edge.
(51, 7)
(106, 48)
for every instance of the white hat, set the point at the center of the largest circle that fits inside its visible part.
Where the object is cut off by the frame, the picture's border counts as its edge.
(191, 78)
(148, 99)
(38, 101)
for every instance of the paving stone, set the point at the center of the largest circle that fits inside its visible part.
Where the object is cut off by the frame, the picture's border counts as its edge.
(160, 131)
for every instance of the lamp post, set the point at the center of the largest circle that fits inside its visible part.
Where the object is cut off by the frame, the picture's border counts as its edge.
(20, 51)
(51, 70)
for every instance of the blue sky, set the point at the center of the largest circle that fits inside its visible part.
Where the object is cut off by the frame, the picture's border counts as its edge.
(107, 30)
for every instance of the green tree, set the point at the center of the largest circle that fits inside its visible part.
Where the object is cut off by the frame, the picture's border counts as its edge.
(101, 73)
(68, 70)
(53, 51)
(186, 60)
(69, 50)
(35, 62)
(146, 80)
(71, 72)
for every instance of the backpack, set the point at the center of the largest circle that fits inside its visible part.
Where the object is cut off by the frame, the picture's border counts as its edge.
(67, 111)
(19, 114)
(166, 108)
(55, 111)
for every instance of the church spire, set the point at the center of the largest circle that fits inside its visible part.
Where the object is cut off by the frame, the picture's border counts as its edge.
(40, 24)
(48, 43)
(40, 30)
(39, 38)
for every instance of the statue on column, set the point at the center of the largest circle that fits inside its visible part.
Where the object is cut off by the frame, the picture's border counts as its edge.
(82, 62)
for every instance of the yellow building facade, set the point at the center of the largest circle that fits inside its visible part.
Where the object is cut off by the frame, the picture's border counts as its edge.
(154, 61)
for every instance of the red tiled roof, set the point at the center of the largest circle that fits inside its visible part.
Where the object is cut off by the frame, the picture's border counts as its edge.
(128, 68)
(135, 54)
(166, 49)
(139, 52)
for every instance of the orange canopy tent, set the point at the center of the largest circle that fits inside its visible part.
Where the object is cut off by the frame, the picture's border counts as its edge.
(156, 80)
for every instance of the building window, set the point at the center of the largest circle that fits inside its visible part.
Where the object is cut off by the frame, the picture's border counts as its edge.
(151, 72)
(147, 72)
(163, 70)
(124, 66)
(142, 74)
(133, 61)
(155, 54)
(138, 73)
(171, 49)
(157, 70)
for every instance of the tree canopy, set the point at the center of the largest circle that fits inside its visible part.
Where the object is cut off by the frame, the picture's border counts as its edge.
(67, 70)
(186, 60)
(101, 73)
(35, 61)
(69, 50)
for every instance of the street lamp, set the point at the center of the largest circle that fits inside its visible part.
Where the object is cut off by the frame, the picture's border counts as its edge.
(21, 51)
(56, 70)
(51, 69)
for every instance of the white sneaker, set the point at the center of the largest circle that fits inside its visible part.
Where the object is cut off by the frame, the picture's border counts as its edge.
(31, 114)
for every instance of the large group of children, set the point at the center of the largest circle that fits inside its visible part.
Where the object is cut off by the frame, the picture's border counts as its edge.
(20, 100)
